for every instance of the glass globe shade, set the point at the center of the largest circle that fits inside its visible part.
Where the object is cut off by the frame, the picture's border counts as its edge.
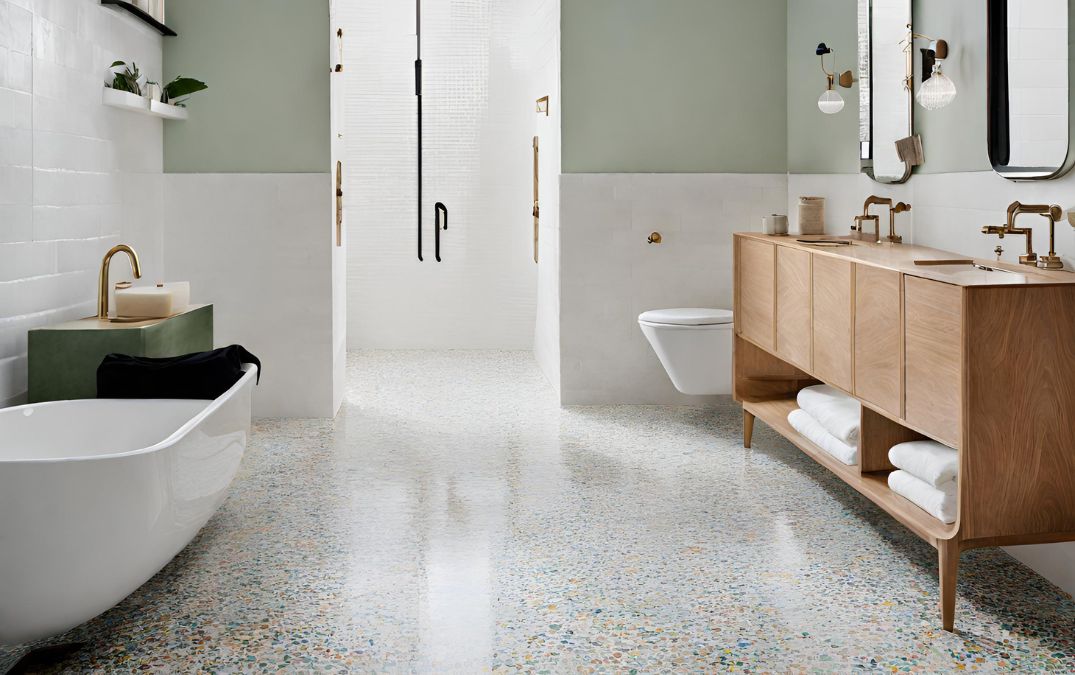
(830, 102)
(936, 92)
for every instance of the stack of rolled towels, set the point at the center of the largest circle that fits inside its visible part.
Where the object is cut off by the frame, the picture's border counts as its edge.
(928, 477)
(829, 419)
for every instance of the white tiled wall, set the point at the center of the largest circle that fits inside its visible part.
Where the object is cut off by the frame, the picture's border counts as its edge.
(479, 122)
(1038, 78)
(76, 177)
(609, 274)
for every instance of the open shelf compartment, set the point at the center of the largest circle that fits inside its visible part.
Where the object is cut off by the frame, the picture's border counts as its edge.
(872, 485)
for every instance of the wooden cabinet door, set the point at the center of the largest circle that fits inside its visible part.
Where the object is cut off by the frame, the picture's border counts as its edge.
(756, 289)
(833, 286)
(793, 306)
(933, 339)
(878, 344)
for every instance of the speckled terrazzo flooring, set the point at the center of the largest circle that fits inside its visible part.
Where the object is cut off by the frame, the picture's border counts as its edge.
(454, 519)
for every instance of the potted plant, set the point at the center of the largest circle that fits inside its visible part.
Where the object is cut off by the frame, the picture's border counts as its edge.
(176, 91)
(125, 86)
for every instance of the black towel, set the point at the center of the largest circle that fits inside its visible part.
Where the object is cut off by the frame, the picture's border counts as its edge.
(202, 375)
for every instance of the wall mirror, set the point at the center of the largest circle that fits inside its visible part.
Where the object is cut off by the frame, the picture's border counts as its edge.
(1028, 78)
(886, 113)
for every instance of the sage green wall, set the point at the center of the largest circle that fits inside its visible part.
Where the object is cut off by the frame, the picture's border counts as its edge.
(954, 137)
(819, 143)
(674, 86)
(268, 103)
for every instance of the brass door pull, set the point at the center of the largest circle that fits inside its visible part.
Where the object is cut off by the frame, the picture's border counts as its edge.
(536, 212)
(339, 203)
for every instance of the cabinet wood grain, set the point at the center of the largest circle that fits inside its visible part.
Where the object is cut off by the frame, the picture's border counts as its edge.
(879, 338)
(832, 320)
(933, 356)
(793, 334)
(757, 302)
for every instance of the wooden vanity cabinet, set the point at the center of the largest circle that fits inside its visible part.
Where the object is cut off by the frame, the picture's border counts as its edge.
(981, 361)
(933, 326)
(794, 337)
(879, 338)
(756, 295)
(833, 286)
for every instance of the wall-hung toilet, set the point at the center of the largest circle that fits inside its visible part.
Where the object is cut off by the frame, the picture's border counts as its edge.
(694, 346)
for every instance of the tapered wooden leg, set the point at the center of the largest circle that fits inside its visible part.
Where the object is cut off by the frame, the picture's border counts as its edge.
(948, 567)
(748, 428)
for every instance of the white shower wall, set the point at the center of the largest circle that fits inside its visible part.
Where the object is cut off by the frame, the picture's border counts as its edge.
(485, 63)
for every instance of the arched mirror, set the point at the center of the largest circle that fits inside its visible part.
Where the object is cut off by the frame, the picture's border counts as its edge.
(1029, 88)
(886, 113)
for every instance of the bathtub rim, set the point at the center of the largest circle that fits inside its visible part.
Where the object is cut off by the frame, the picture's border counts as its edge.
(249, 372)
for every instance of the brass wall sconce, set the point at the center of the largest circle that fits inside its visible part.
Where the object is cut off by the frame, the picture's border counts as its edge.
(543, 105)
(830, 102)
(937, 89)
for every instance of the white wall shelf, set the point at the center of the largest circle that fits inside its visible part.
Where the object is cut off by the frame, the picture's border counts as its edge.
(140, 104)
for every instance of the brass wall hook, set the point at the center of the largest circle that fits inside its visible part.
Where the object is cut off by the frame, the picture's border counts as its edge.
(654, 238)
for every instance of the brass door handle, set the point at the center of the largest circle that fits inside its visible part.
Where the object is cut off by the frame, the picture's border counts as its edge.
(339, 203)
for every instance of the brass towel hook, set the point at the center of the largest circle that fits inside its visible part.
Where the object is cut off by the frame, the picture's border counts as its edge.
(654, 238)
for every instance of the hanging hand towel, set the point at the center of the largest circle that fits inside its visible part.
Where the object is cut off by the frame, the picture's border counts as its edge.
(816, 434)
(939, 502)
(837, 412)
(928, 461)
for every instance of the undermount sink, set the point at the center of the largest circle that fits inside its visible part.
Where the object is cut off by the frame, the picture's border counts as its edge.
(824, 242)
(962, 265)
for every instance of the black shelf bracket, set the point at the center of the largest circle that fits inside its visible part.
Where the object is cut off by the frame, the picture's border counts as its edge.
(141, 14)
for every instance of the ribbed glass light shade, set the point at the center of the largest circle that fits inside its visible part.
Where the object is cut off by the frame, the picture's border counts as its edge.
(830, 102)
(936, 92)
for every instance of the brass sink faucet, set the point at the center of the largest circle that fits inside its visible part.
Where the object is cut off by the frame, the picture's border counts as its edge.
(102, 282)
(1050, 211)
(859, 226)
(900, 207)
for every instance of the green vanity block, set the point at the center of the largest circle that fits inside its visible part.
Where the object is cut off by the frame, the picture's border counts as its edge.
(64, 358)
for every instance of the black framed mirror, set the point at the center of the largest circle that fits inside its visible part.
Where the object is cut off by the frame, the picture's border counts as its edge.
(1029, 82)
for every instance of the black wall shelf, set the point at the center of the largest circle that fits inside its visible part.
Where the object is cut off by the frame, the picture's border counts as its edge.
(141, 14)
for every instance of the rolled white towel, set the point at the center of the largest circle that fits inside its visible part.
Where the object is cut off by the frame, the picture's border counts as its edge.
(837, 412)
(928, 461)
(815, 433)
(939, 502)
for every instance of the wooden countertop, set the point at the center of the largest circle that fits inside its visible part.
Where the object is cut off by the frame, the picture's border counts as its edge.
(901, 258)
(93, 323)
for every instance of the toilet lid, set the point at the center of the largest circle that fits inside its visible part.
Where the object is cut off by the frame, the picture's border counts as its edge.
(687, 316)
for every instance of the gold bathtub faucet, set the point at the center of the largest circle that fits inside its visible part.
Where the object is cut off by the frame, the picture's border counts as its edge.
(102, 282)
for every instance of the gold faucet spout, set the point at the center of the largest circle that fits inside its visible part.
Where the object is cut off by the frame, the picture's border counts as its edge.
(102, 282)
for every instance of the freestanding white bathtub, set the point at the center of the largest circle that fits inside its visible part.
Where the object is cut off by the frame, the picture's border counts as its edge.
(96, 496)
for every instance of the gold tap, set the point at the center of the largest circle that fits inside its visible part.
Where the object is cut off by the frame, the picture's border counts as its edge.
(901, 207)
(869, 217)
(1015, 209)
(102, 282)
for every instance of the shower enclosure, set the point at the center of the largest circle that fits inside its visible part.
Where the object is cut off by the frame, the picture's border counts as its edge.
(482, 66)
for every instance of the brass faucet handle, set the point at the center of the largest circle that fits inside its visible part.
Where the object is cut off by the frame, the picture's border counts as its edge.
(901, 207)
(998, 230)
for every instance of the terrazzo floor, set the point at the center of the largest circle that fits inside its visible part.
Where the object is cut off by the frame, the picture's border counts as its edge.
(455, 519)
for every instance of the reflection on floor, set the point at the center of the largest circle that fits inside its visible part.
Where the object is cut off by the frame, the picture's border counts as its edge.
(455, 519)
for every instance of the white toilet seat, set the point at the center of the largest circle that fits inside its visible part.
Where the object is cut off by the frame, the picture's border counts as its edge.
(686, 316)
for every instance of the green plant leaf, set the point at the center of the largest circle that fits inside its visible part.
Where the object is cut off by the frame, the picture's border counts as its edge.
(118, 63)
(183, 86)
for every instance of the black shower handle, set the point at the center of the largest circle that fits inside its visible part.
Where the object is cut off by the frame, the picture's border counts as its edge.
(437, 211)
